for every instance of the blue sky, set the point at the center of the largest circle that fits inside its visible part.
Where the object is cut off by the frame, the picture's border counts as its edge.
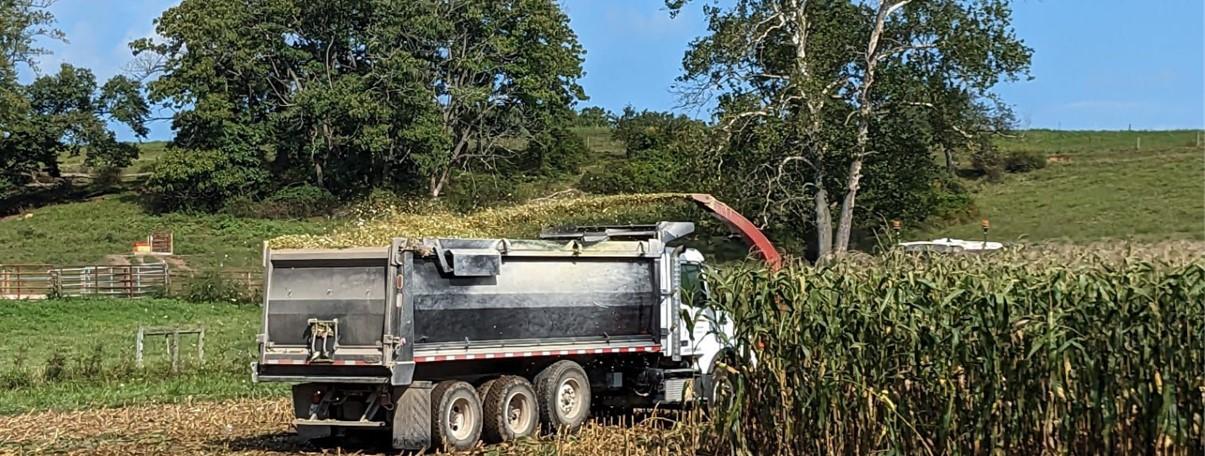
(1098, 64)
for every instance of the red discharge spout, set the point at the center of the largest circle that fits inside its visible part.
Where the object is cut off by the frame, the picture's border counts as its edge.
(740, 225)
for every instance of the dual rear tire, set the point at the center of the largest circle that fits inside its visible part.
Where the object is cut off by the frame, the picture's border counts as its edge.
(455, 415)
(511, 411)
(509, 407)
(564, 395)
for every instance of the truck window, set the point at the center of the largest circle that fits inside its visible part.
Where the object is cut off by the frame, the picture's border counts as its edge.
(694, 292)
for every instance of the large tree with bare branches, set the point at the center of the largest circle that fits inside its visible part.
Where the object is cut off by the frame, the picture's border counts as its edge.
(803, 89)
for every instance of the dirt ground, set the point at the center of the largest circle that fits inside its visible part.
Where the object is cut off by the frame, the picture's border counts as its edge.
(250, 427)
(262, 427)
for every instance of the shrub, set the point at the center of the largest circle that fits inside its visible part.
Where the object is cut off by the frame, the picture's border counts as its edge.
(56, 367)
(1023, 161)
(594, 116)
(559, 151)
(948, 199)
(987, 162)
(651, 172)
(993, 164)
(470, 191)
(651, 130)
(299, 201)
(212, 286)
(203, 179)
(106, 177)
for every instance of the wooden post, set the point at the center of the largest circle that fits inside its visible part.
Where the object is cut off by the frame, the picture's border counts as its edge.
(175, 351)
(201, 345)
(138, 347)
(1138, 145)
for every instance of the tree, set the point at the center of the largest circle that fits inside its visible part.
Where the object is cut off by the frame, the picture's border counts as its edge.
(807, 82)
(641, 131)
(350, 95)
(594, 116)
(661, 149)
(64, 113)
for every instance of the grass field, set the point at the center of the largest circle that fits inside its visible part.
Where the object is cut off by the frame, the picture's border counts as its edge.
(64, 354)
(147, 153)
(1097, 185)
(87, 231)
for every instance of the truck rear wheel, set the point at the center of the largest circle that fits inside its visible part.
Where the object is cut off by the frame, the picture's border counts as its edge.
(563, 391)
(455, 415)
(510, 409)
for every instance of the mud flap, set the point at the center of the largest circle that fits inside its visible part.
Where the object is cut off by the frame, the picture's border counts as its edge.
(412, 418)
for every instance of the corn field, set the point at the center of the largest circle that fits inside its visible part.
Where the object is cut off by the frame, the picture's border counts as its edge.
(1003, 354)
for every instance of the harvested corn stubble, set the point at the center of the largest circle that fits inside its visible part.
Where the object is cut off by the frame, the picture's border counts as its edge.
(524, 220)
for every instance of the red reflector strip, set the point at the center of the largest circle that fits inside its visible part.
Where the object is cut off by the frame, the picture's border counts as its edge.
(285, 361)
(532, 354)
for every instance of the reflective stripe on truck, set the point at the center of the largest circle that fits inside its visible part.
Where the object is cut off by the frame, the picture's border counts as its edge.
(652, 348)
(537, 353)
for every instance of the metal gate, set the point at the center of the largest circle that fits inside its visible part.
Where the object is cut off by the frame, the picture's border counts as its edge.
(125, 281)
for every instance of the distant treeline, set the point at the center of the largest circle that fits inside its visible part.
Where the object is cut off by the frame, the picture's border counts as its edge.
(827, 117)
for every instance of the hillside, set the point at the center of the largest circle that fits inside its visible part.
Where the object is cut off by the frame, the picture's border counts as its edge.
(1097, 186)
(89, 231)
(1141, 186)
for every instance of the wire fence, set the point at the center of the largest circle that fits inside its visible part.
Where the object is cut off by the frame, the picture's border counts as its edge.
(41, 281)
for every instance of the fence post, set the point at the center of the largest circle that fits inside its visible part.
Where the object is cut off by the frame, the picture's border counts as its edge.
(138, 347)
(201, 345)
(175, 351)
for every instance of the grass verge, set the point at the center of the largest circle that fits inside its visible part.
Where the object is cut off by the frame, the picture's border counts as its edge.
(65, 354)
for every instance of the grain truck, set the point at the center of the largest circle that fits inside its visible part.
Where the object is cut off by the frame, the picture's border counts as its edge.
(441, 343)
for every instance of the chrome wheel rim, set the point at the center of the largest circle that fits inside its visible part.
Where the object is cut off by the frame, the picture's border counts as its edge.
(518, 412)
(460, 418)
(569, 399)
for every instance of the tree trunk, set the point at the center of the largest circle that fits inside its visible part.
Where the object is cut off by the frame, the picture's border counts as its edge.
(846, 222)
(824, 223)
(438, 182)
(950, 167)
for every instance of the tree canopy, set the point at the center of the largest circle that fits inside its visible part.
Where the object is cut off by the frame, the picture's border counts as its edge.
(815, 95)
(57, 114)
(349, 95)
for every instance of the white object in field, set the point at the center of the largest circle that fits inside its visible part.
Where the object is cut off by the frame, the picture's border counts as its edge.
(947, 245)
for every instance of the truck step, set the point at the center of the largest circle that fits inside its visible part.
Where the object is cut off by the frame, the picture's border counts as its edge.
(339, 423)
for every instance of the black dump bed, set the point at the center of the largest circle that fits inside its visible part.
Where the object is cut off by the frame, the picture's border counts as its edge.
(350, 311)
(534, 298)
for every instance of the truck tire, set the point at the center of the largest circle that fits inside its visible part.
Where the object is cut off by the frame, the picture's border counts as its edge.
(455, 415)
(563, 391)
(484, 389)
(510, 409)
